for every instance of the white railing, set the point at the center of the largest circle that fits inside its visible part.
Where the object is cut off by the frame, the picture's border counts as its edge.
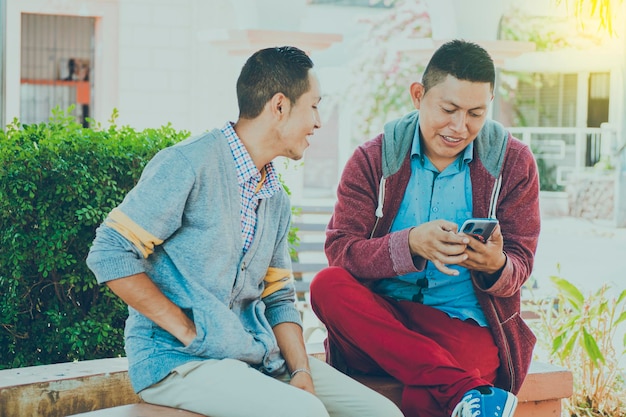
(567, 150)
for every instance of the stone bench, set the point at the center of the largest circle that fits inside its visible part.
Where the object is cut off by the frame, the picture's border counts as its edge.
(101, 388)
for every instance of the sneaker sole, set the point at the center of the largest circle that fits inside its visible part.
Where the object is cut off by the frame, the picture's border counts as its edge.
(510, 406)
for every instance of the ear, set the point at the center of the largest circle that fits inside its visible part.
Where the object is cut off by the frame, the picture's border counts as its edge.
(279, 105)
(417, 93)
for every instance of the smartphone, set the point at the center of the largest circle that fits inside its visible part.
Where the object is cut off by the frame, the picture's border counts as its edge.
(479, 228)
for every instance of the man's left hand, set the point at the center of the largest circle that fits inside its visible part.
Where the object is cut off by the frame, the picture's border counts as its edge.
(486, 257)
(303, 381)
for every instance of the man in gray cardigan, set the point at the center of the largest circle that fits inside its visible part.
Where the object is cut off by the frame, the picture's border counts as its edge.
(198, 250)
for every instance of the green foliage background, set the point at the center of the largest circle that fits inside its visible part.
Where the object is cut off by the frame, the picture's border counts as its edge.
(58, 181)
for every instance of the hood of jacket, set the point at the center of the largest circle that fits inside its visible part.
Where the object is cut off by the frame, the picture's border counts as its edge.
(490, 144)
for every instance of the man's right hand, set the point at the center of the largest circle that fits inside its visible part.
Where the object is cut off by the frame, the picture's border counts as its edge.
(438, 242)
(142, 294)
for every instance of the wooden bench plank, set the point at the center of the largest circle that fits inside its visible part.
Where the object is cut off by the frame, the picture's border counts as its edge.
(309, 227)
(309, 247)
(315, 229)
(315, 209)
(307, 267)
(301, 286)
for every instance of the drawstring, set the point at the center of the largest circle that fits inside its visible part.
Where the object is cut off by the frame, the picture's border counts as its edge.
(381, 197)
(379, 209)
(495, 193)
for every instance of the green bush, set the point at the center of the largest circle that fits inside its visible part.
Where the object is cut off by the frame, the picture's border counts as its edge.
(58, 181)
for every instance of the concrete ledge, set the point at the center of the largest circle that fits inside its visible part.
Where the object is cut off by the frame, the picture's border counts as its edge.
(67, 388)
(83, 387)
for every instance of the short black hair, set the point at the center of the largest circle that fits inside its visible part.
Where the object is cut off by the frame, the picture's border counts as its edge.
(463, 60)
(283, 69)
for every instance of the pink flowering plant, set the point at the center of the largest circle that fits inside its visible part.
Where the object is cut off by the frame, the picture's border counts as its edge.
(386, 65)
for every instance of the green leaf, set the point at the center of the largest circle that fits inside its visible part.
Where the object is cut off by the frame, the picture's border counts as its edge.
(591, 347)
(557, 342)
(573, 295)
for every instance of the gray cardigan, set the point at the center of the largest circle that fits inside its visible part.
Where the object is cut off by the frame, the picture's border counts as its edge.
(188, 197)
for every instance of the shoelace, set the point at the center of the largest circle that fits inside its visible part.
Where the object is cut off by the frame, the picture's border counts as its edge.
(467, 408)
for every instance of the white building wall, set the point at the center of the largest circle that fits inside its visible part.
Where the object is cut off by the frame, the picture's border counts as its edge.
(167, 73)
(155, 63)
(214, 71)
(172, 67)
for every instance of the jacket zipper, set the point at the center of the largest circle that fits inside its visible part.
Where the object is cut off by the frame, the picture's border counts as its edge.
(507, 348)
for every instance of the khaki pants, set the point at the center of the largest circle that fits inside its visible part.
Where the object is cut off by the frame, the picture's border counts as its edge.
(231, 388)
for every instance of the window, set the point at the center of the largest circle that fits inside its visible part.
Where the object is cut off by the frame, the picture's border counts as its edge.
(597, 112)
(57, 56)
(548, 99)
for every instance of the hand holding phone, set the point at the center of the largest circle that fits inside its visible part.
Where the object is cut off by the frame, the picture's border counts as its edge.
(479, 228)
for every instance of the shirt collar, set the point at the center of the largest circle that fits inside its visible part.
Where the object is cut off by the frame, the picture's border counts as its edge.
(416, 149)
(246, 169)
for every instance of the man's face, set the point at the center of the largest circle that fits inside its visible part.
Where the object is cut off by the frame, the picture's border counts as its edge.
(451, 115)
(301, 121)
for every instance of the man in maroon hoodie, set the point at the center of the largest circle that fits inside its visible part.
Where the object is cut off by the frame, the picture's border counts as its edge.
(407, 293)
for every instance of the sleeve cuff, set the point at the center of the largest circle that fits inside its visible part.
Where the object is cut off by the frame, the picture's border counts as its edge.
(403, 261)
(110, 269)
(282, 314)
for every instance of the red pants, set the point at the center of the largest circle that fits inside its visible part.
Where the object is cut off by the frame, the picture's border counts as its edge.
(437, 358)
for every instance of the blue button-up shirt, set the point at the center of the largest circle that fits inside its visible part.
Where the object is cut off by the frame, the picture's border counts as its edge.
(432, 195)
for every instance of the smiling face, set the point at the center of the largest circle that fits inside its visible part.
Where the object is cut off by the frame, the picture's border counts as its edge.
(300, 121)
(451, 115)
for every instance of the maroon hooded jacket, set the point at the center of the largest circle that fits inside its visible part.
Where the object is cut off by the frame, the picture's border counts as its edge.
(505, 185)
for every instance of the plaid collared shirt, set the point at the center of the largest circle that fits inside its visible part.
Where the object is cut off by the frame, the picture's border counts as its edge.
(254, 185)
